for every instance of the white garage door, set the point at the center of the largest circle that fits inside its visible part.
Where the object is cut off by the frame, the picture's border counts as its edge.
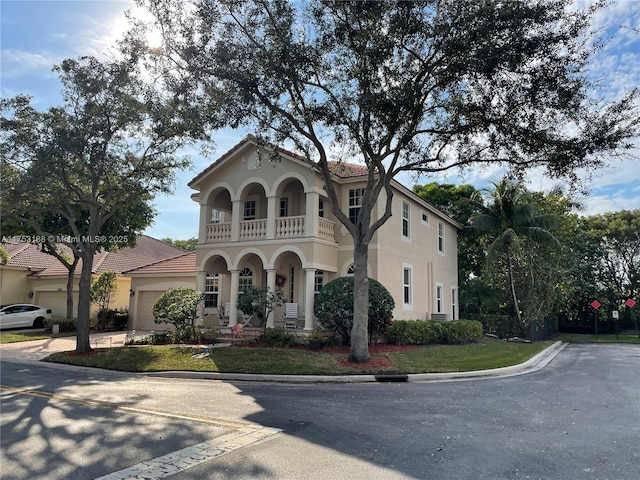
(57, 302)
(145, 312)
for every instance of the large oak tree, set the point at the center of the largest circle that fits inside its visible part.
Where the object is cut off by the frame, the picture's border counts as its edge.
(93, 164)
(399, 86)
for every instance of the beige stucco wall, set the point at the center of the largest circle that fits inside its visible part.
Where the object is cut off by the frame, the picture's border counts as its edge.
(44, 288)
(13, 285)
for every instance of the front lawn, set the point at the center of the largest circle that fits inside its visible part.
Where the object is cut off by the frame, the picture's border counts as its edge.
(490, 353)
(22, 337)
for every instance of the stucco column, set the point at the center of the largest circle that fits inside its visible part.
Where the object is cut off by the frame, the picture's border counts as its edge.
(271, 218)
(205, 220)
(271, 286)
(237, 211)
(309, 274)
(233, 301)
(311, 219)
(201, 281)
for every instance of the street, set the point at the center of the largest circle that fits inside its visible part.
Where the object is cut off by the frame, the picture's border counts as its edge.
(579, 417)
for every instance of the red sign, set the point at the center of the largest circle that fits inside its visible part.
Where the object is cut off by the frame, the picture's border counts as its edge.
(630, 303)
(595, 304)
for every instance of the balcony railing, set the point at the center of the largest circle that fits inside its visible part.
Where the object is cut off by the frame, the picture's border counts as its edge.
(286, 227)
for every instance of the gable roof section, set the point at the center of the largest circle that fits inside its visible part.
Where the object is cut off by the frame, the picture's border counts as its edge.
(185, 263)
(147, 250)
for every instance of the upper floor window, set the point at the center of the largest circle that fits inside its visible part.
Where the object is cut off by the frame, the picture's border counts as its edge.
(425, 218)
(439, 299)
(405, 219)
(284, 207)
(355, 203)
(250, 210)
(216, 216)
(321, 208)
(245, 280)
(211, 290)
(440, 237)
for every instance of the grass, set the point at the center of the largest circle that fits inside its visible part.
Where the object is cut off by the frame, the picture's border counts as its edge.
(602, 338)
(22, 337)
(491, 353)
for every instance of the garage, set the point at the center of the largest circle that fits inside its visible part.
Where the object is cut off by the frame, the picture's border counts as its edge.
(57, 302)
(144, 314)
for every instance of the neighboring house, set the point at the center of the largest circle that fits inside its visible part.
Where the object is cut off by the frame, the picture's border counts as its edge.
(265, 220)
(151, 281)
(32, 276)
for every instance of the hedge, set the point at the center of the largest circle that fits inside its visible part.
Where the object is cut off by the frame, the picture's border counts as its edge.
(420, 332)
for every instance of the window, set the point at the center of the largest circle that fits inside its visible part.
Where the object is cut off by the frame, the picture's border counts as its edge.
(216, 216)
(439, 291)
(250, 210)
(425, 218)
(211, 289)
(291, 284)
(405, 219)
(406, 286)
(454, 300)
(284, 207)
(440, 237)
(245, 280)
(318, 281)
(351, 270)
(355, 203)
(321, 208)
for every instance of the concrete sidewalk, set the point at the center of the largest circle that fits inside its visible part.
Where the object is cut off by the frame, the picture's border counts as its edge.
(36, 350)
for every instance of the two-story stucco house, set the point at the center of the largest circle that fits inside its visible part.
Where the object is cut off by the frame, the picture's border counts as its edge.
(268, 222)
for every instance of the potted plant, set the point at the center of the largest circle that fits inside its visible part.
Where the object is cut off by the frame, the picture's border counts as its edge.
(317, 339)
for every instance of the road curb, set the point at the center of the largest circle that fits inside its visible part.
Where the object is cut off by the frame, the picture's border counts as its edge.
(535, 363)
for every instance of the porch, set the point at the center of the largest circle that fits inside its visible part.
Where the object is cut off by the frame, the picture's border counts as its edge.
(284, 228)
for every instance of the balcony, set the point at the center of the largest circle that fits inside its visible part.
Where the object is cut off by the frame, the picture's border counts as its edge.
(285, 227)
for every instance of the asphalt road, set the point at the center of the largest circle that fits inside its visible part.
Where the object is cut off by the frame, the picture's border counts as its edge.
(577, 418)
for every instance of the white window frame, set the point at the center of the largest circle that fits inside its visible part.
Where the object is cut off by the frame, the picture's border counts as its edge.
(318, 282)
(424, 218)
(406, 223)
(212, 289)
(441, 238)
(355, 202)
(454, 302)
(407, 286)
(439, 298)
(284, 207)
(248, 206)
(245, 279)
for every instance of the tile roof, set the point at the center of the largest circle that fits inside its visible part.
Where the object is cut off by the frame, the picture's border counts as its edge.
(185, 263)
(147, 250)
(340, 169)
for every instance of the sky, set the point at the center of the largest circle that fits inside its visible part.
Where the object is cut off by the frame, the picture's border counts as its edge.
(36, 35)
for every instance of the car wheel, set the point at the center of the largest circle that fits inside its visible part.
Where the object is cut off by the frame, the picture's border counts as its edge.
(38, 323)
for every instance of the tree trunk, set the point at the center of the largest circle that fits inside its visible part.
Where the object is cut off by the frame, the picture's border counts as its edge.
(512, 286)
(84, 304)
(359, 334)
(70, 277)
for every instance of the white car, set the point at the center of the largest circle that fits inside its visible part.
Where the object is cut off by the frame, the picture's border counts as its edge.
(23, 315)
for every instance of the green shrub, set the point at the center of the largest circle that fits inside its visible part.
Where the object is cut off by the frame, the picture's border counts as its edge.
(279, 337)
(418, 332)
(117, 318)
(66, 324)
(334, 308)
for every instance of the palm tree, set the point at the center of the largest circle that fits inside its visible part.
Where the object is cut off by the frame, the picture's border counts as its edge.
(512, 214)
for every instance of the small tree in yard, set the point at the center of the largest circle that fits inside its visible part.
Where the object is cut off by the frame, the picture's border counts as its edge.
(260, 301)
(178, 306)
(102, 292)
(334, 308)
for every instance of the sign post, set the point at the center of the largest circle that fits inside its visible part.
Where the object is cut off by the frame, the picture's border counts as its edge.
(630, 303)
(596, 305)
(615, 316)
